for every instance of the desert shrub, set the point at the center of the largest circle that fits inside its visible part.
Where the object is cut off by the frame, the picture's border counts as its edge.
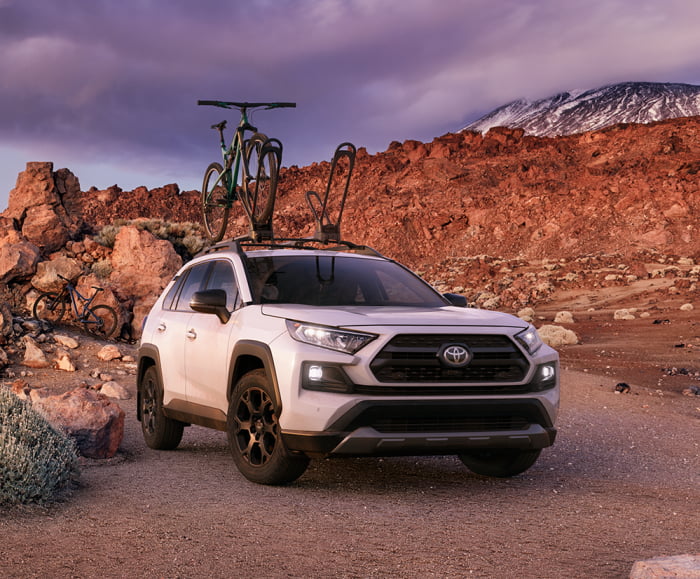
(107, 235)
(36, 461)
(102, 268)
(187, 238)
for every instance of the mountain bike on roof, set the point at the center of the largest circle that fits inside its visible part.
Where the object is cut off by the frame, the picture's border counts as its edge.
(249, 172)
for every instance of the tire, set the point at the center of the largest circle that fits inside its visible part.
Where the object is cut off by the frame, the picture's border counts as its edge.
(501, 462)
(49, 307)
(215, 207)
(159, 431)
(260, 180)
(102, 321)
(254, 434)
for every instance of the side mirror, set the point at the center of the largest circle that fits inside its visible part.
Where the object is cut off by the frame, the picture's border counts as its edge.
(211, 301)
(457, 300)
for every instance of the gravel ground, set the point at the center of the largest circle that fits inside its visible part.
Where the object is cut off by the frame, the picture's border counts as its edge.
(620, 484)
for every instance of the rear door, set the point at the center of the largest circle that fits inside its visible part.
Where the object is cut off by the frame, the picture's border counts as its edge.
(170, 331)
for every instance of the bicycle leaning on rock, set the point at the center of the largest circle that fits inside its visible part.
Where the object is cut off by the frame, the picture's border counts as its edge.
(100, 319)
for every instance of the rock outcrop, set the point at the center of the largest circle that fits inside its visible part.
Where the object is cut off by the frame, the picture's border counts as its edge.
(90, 418)
(466, 210)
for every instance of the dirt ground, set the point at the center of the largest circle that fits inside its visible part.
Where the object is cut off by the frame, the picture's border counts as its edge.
(621, 483)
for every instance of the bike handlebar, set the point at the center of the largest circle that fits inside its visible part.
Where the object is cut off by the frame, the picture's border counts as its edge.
(246, 105)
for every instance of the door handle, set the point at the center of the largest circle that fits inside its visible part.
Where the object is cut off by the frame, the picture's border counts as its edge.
(161, 327)
(191, 335)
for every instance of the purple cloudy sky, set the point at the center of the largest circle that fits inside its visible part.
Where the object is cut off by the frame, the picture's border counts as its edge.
(109, 88)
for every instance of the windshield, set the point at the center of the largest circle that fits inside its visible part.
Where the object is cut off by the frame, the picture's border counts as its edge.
(324, 280)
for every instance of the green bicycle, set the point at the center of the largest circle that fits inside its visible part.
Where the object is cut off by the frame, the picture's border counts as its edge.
(249, 172)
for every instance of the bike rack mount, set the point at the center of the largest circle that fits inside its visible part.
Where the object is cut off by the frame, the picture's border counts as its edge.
(328, 230)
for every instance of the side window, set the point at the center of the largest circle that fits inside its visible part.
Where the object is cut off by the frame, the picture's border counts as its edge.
(194, 282)
(170, 298)
(222, 277)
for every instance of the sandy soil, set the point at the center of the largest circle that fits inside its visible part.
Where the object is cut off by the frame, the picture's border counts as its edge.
(622, 483)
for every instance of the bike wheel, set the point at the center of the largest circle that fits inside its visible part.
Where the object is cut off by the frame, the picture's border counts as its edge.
(215, 204)
(49, 307)
(101, 321)
(260, 182)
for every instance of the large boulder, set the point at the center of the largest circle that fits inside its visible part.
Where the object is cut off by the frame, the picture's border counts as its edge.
(36, 204)
(43, 227)
(142, 266)
(90, 418)
(47, 273)
(18, 261)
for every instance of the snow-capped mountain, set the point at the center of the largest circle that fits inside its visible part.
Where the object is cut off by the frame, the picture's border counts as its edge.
(579, 111)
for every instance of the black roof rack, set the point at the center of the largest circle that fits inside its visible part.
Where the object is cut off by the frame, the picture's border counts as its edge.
(240, 244)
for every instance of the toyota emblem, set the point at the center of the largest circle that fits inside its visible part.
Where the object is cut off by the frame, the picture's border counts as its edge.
(455, 355)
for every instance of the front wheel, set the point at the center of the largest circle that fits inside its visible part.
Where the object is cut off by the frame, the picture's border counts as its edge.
(215, 201)
(500, 462)
(102, 321)
(261, 164)
(254, 434)
(49, 307)
(159, 431)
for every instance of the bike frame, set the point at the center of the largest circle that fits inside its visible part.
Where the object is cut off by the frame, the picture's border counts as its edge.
(233, 153)
(78, 300)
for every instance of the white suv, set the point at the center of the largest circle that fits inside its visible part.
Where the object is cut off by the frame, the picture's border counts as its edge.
(298, 351)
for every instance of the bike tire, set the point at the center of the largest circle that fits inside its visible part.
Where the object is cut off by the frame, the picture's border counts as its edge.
(49, 307)
(215, 205)
(102, 321)
(260, 180)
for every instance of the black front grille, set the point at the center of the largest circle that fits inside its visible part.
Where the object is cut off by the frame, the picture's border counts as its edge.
(413, 358)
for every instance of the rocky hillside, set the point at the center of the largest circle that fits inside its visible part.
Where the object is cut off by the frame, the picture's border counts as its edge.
(503, 217)
(578, 111)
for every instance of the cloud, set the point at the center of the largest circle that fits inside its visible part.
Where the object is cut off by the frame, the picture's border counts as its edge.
(114, 84)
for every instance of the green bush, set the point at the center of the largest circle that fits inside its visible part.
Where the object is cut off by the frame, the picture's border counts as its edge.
(36, 461)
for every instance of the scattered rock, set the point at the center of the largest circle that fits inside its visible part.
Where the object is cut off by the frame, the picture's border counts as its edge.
(109, 353)
(527, 315)
(66, 341)
(556, 336)
(622, 388)
(687, 307)
(115, 390)
(63, 361)
(624, 314)
(564, 318)
(691, 391)
(34, 357)
(676, 567)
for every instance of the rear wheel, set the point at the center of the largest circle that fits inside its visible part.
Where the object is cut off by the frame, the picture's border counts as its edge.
(254, 434)
(102, 321)
(500, 462)
(49, 307)
(159, 431)
(215, 204)
(260, 182)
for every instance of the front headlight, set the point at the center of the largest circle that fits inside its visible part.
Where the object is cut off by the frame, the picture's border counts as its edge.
(529, 339)
(326, 337)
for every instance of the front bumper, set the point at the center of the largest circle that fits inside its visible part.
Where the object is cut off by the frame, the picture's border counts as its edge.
(392, 428)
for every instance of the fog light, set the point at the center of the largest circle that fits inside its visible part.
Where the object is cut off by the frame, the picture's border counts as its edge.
(327, 378)
(315, 373)
(547, 372)
(545, 377)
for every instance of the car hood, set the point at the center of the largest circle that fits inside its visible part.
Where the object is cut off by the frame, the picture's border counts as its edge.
(359, 316)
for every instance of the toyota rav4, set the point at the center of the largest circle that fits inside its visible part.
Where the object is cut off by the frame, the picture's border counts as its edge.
(300, 351)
